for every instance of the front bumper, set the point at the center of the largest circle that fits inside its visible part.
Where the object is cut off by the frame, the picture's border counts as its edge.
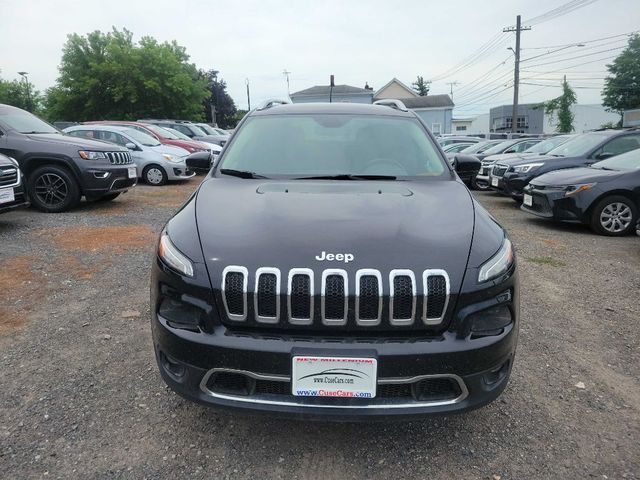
(553, 204)
(102, 179)
(187, 359)
(178, 171)
(20, 198)
(511, 184)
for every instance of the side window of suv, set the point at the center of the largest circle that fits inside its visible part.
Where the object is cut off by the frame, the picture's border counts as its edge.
(183, 129)
(112, 137)
(618, 145)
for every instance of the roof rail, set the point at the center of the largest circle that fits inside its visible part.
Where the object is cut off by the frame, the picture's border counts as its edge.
(393, 103)
(271, 102)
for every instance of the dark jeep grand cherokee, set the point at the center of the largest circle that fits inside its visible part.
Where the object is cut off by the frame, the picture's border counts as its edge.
(59, 168)
(333, 265)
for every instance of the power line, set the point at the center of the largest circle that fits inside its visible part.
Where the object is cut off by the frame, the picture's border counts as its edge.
(559, 11)
(583, 41)
(584, 48)
(577, 56)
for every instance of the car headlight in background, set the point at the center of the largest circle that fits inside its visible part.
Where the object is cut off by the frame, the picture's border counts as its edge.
(575, 189)
(89, 155)
(171, 158)
(498, 264)
(527, 168)
(173, 257)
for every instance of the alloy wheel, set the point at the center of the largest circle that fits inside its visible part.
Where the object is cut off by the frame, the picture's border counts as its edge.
(51, 189)
(616, 217)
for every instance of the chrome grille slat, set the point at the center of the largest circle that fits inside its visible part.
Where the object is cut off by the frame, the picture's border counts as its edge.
(9, 177)
(230, 292)
(266, 296)
(338, 297)
(297, 290)
(435, 302)
(395, 299)
(119, 158)
(365, 299)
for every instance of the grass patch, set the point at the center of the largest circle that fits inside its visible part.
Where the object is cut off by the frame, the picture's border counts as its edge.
(552, 262)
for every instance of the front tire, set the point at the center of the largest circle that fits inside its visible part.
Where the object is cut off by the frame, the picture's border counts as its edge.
(53, 189)
(154, 175)
(614, 216)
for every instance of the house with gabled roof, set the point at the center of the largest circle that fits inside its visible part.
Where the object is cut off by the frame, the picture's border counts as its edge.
(394, 89)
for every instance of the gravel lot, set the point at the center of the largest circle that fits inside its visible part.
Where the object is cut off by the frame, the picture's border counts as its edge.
(80, 395)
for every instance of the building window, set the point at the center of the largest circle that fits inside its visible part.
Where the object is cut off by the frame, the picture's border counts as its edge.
(522, 122)
(461, 128)
(435, 128)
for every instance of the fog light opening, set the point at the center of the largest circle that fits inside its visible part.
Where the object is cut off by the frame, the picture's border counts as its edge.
(180, 315)
(490, 321)
(496, 375)
(172, 367)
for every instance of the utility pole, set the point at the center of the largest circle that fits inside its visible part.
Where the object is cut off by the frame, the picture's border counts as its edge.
(516, 71)
(452, 84)
(332, 84)
(27, 86)
(286, 73)
(248, 94)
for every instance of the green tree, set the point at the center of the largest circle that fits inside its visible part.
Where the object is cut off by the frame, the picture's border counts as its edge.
(225, 108)
(109, 76)
(622, 86)
(560, 107)
(21, 94)
(421, 86)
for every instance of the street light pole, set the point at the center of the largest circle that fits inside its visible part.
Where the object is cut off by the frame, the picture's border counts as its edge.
(248, 94)
(26, 82)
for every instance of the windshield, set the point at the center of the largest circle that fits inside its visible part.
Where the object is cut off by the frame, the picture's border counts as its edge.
(315, 145)
(546, 145)
(624, 161)
(178, 134)
(578, 146)
(499, 148)
(206, 129)
(143, 138)
(478, 147)
(24, 122)
(161, 132)
(221, 131)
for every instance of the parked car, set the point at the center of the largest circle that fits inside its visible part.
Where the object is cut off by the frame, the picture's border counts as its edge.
(61, 169)
(189, 129)
(164, 136)
(539, 147)
(511, 176)
(340, 222)
(12, 190)
(605, 195)
(480, 147)
(489, 156)
(200, 161)
(209, 130)
(214, 148)
(444, 141)
(155, 163)
(456, 147)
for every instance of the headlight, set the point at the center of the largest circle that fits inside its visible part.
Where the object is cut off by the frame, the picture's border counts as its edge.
(527, 168)
(89, 155)
(14, 161)
(171, 158)
(575, 189)
(498, 264)
(173, 257)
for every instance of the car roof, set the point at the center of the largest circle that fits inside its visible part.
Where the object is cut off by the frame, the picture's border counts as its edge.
(95, 126)
(332, 108)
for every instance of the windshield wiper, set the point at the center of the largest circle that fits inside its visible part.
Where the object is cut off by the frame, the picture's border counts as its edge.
(346, 176)
(35, 133)
(240, 173)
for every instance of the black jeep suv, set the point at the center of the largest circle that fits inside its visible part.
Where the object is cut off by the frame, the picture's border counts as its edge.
(60, 169)
(345, 272)
(12, 192)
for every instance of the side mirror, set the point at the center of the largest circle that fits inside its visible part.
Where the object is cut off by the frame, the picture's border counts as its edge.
(200, 161)
(510, 150)
(603, 155)
(466, 164)
(131, 146)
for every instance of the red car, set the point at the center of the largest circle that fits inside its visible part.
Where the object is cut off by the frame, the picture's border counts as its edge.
(163, 136)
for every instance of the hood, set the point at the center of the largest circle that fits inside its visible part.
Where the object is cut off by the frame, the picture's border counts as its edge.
(509, 156)
(573, 176)
(184, 144)
(383, 225)
(81, 143)
(171, 150)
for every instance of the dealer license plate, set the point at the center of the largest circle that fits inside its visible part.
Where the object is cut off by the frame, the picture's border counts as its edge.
(340, 377)
(527, 200)
(494, 182)
(132, 172)
(6, 195)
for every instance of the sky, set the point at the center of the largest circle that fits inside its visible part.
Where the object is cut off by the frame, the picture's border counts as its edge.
(357, 41)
